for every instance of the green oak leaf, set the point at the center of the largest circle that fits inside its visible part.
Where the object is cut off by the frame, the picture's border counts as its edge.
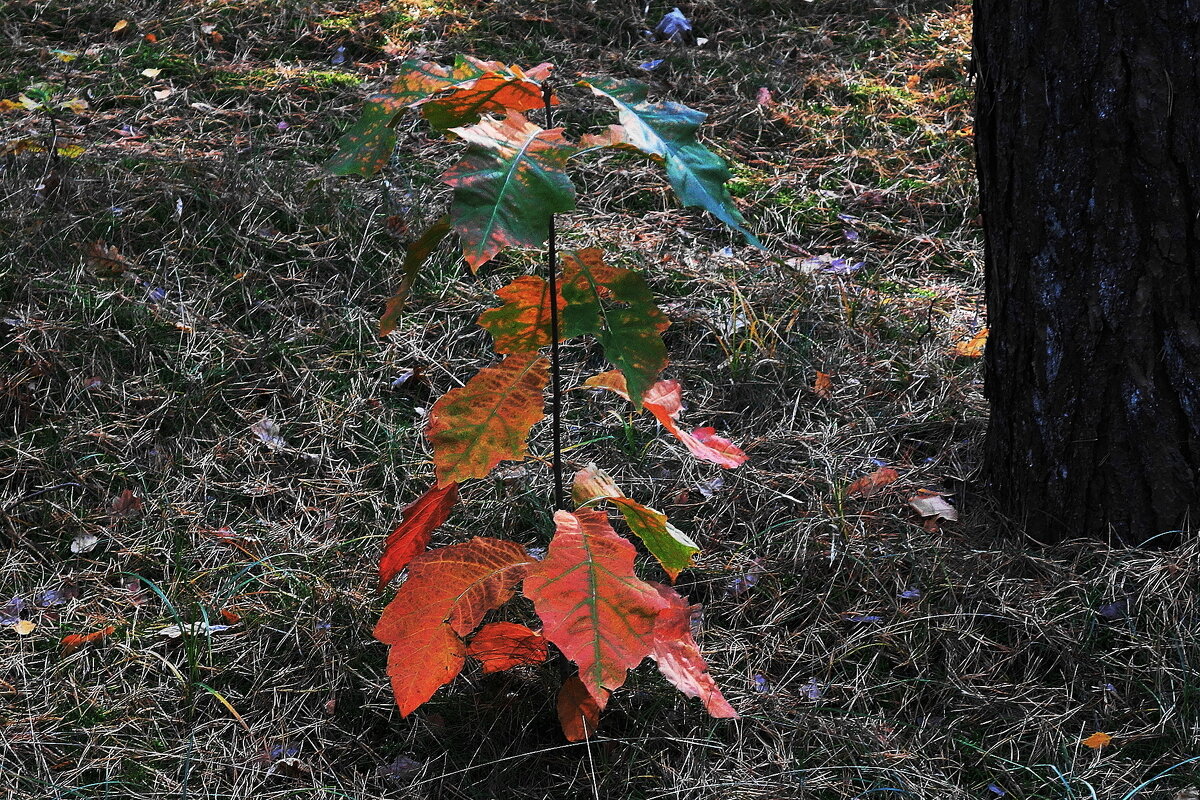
(671, 546)
(509, 184)
(666, 132)
(615, 305)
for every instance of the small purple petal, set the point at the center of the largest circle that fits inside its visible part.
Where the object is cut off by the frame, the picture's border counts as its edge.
(850, 235)
(839, 266)
(400, 766)
(761, 684)
(710, 488)
(847, 218)
(740, 585)
(281, 126)
(649, 65)
(10, 612)
(536, 553)
(996, 790)
(812, 690)
(284, 751)
(911, 594)
(864, 618)
(52, 597)
(1114, 610)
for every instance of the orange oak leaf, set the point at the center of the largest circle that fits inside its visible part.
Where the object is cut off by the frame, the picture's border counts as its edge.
(475, 427)
(823, 385)
(671, 546)
(494, 92)
(973, 347)
(592, 605)
(612, 380)
(578, 711)
(423, 661)
(522, 324)
(447, 593)
(665, 400)
(417, 522)
(509, 184)
(678, 655)
(367, 146)
(504, 645)
(868, 485)
(75, 641)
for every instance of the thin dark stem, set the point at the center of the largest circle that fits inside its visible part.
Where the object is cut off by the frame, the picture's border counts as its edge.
(555, 385)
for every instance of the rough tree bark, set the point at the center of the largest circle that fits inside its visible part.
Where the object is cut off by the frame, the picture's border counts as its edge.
(1088, 137)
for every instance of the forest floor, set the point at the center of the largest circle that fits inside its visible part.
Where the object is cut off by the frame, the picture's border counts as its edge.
(870, 654)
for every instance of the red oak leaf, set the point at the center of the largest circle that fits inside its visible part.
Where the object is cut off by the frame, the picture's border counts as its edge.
(504, 645)
(592, 605)
(679, 658)
(445, 597)
(411, 536)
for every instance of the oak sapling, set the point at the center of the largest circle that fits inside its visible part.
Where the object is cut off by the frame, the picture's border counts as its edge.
(510, 182)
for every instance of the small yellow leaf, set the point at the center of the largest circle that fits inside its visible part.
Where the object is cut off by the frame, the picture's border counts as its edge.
(973, 347)
(10, 105)
(1097, 740)
(162, 94)
(24, 627)
(76, 104)
(152, 72)
(120, 26)
(71, 151)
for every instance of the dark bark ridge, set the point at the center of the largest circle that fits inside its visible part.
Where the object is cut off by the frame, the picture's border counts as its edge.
(1088, 149)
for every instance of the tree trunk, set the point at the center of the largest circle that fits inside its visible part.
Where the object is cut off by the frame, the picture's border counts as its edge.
(1088, 136)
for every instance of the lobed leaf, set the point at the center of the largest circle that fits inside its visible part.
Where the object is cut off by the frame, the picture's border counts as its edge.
(671, 546)
(417, 523)
(509, 184)
(678, 656)
(592, 605)
(615, 305)
(475, 427)
(504, 645)
(474, 87)
(447, 593)
(494, 92)
(578, 711)
(666, 132)
(522, 324)
(366, 147)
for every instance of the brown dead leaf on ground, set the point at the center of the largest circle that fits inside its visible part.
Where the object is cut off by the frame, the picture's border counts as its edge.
(105, 260)
(1097, 740)
(126, 503)
(932, 508)
(869, 485)
(823, 385)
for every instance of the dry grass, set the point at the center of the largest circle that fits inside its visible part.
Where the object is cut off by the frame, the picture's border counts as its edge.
(872, 657)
